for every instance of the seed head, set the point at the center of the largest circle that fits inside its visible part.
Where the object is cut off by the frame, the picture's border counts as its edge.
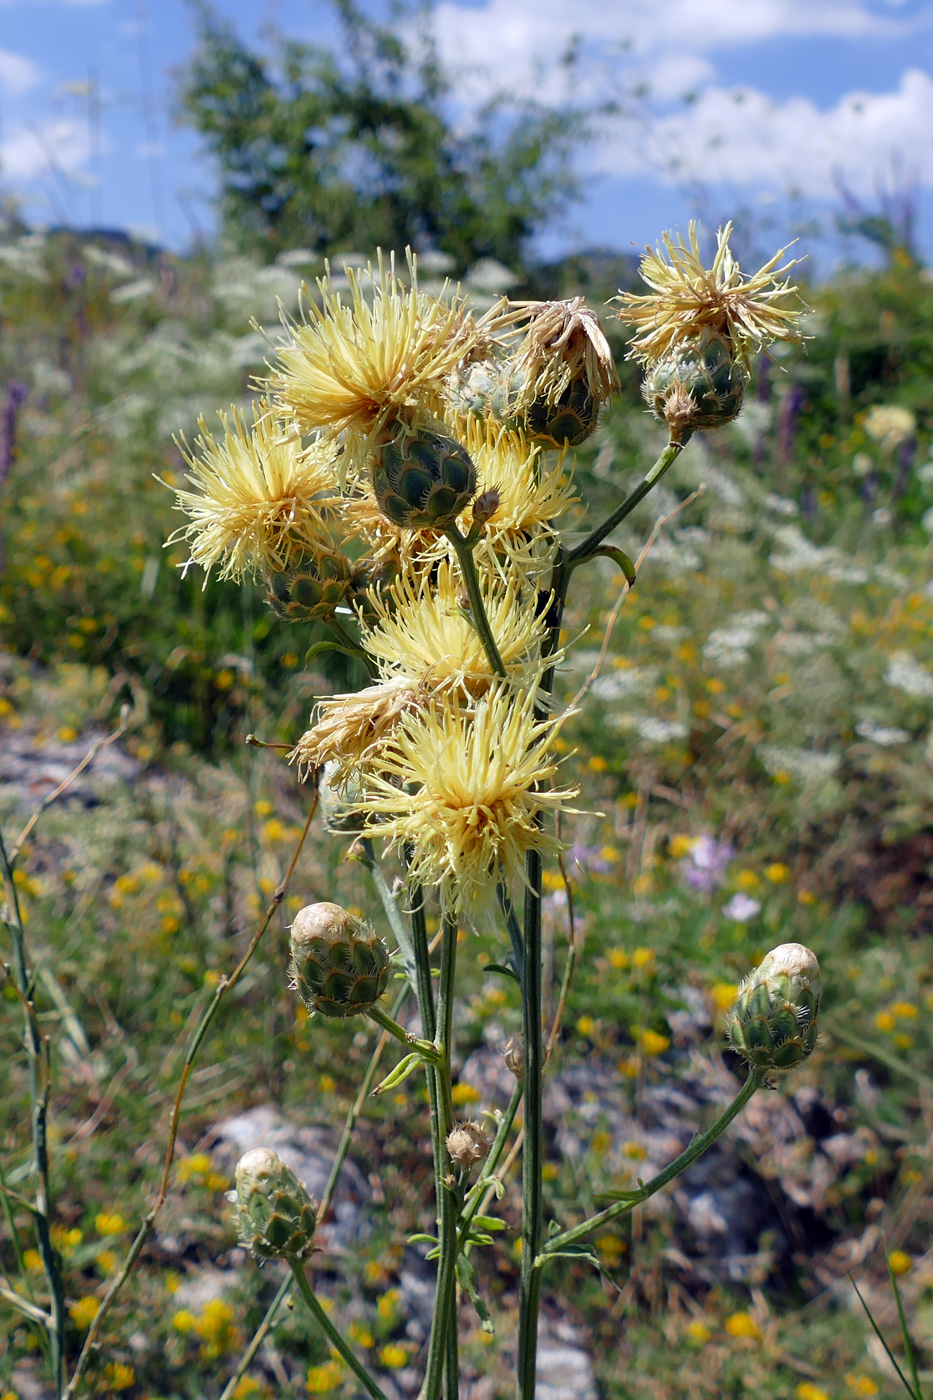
(513, 1052)
(467, 1144)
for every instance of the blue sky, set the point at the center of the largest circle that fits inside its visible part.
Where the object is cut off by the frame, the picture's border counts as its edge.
(761, 105)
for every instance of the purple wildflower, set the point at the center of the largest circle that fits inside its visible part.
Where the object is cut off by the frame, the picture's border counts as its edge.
(704, 869)
(741, 908)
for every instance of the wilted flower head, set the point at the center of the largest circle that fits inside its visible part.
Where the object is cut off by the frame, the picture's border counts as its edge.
(346, 728)
(687, 298)
(390, 349)
(258, 496)
(475, 784)
(561, 341)
(467, 1144)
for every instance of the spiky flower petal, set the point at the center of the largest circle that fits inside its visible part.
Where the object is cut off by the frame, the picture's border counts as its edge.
(687, 298)
(259, 497)
(423, 631)
(475, 785)
(392, 347)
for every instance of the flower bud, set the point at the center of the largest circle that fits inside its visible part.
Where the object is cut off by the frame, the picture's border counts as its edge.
(696, 385)
(486, 505)
(340, 965)
(467, 1144)
(275, 1215)
(513, 1052)
(313, 590)
(422, 479)
(773, 1022)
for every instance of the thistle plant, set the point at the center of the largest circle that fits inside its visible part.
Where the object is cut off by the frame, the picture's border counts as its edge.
(402, 484)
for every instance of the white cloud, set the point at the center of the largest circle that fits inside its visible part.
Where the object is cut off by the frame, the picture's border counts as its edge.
(745, 138)
(17, 74)
(28, 152)
(513, 44)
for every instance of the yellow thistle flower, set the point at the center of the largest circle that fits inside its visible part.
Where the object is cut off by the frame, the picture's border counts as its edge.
(561, 340)
(424, 633)
(392, 348)
(258, 496)
(475, 783)
(688, 298)
(532, 497)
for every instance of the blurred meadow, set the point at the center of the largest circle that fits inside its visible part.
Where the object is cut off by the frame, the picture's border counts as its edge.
(756, 756)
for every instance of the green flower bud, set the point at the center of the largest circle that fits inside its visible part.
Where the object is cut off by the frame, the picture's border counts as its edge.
(340, 965)
(773, 1022)
(275, 1215)
(697, 385)
(562, 420)
(422, 479)
(313, 590)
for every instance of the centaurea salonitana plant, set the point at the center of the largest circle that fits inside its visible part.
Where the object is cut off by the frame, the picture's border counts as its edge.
(403, 484)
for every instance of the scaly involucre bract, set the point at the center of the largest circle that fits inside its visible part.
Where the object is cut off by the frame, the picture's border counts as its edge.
(688, 298)
(353, 364)
(258, 498)
(474, 785)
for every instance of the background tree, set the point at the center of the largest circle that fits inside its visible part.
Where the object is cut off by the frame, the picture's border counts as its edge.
(353, 147)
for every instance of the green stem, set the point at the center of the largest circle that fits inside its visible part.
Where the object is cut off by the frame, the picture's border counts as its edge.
(340, 1158)
(37, 1055)
(351, 645)
(331, 1333)
(699, 1145)
(444, 1322)
(478, 616)
(594, 539)
(533, 1147)
(392, 1027)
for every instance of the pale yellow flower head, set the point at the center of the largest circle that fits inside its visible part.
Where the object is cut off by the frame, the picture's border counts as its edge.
(532, 494)
(687, 297)
(354, 361)
(474, 783)
(424, 633)
(258, 498)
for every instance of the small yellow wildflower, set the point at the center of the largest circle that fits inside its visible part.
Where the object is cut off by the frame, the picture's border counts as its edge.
(110, 1223)
(463, 1093)
(680, 846)
(900, 1262)
(32, 1259)
(723, 994)
(906, 1010)
(742, 1324)
(617, 958)
(807, 1391)
(119, 1376)
(643, 958)
(106, 1261)
(387, 1305)
(697, 1332)
(861, 1384)
(610, 1249)
(197, 1165)
(746, 880)
(327, 1084)
(634, 1151)
(184, 1321)
(393, 1356)
(778, 873)
(84, 1311)
(323, 1379)
(884, 1021)
(654, 1044)
(586, 1025)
